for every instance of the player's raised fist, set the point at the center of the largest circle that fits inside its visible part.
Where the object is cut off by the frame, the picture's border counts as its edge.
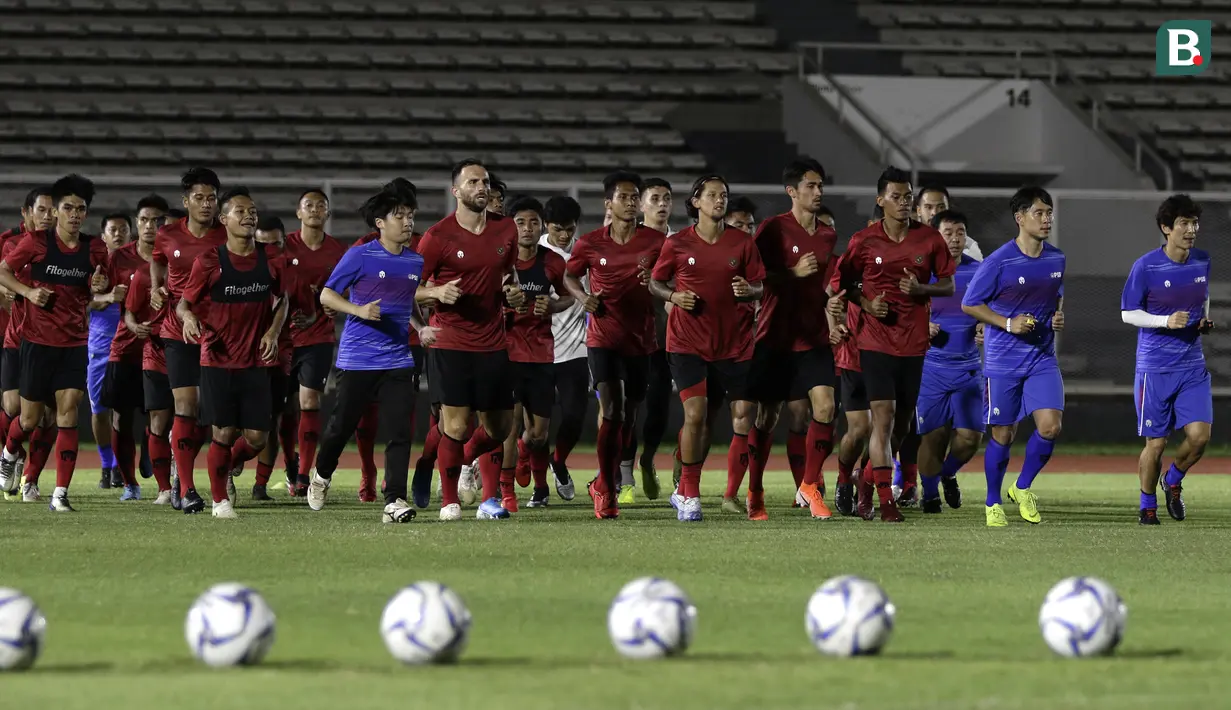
(643, 275)
(1178, 320)
(806, 266)
(98, 282)
(515, 297)
(593, 302)
(38, 296)
(158, 297)
(369, 311)
(1021, 324)
(740, 287)
(1057, 321)
(118, 293)
(541, 305)
(427, 335)
(686, 299)
(909, 283)
(877, 307)
(836, 305)
(933, 329)
(450, 292)
(838, 333)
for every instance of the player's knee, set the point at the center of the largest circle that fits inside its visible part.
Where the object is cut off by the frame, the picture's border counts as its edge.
(258, 440)
(695, 411)
(1198, 439)
(1049, 430)
(309, 399)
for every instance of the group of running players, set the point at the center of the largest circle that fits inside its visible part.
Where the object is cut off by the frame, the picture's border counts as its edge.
(219, 325)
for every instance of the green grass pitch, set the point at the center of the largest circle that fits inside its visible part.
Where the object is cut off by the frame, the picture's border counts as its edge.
(115, 581)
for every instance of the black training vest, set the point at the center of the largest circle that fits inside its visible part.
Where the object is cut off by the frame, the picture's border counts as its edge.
(235, 286)
(533, 281)
(64, 268)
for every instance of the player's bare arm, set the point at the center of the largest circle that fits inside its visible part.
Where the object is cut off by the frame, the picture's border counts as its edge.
(1057, 320)
(589, 301)
(192, 327)
(37, 296)
(428, 294)
(141, 330)
(158, 288)
(684, 299)
(1017, 325)
(745, 291)
(334, 300)
(911, 286)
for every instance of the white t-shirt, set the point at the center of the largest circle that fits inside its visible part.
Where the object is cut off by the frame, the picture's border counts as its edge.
(568, 328)
(972, 249)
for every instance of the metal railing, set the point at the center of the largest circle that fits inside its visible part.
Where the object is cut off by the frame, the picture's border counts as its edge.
(1101, 116)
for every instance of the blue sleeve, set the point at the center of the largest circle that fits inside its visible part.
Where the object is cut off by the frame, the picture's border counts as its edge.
(1134, 296)
(347, 272)
(983, 285)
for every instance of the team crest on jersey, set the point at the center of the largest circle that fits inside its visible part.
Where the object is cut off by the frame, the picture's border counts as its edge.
(732, 263)
(692, 261)
(644, 261)
(918, 259)
(499, 251)
(461, 254)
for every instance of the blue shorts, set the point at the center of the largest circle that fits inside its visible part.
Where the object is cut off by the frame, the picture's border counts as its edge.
(1012, 399)
(95, 371)
(1167, 401)
(950, 396)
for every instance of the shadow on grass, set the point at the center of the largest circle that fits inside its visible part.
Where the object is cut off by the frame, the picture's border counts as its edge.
(1141, 653)
(70, 668)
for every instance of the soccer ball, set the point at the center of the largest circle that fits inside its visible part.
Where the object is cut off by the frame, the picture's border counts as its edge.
(1082, 616)
(651, 618)
(230, 625)
(21, 630)
(849, 616)
(425, 623)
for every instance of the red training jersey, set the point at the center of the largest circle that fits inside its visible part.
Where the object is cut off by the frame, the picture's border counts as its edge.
(846, 353)
(880, 263)
(793, 310)
(625, 320)
(529, 336)
(125, 263)
(11, 320)
(153, 356)
(476, 322)
(233, 296)
(310, 268)
(719, 327)
(67, 274)
(176, 248)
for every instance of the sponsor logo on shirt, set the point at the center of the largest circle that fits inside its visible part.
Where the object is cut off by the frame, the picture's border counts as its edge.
(1167, 283)
(412, 277)
(294, 262)
(245, 290)
(602, 261)
(1199, 280)
(1021, 279)
(176, 253)
(878, 260)
(1057, 274)
(795, 250)
(381, 274)
(461, 254)
(692, 261)
(53, 270)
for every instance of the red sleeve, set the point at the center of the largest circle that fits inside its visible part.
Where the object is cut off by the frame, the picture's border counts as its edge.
(579, 261)
(943, 263)
(429, 249)
(99, 256)
(26, 250)
(554, 265)
(199, 280)
(159, 242)
(277, 270)
(848, 269)
(137, 296)
(510, 252)
(831, 270)
(754, 268)
(664, 268)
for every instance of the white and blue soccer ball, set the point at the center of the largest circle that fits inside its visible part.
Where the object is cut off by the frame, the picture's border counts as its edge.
(230, 625)
(1082, 616)
(651, 617)
(849, 616)
(425, 623)
(21, 630)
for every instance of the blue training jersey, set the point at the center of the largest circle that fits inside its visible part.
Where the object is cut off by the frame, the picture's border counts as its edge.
(370, 272)
(954, 346)
(102, 329)
(1013, 284)
(1160, 286)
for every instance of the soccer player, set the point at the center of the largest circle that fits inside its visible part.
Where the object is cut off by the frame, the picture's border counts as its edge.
(894, 260)
(930, 201)
(656, 202)
(742, 214)
(709, 333)
(950, 409)
(794, 360)
(620, 337)
(1167, 296)
(570, 372)
(176, 248)
(233, 307)
(495, 194)
(310, 256)
(66, 268)
(540, 275)
(136, 374)
(468, 257)
(116, 232)
(374, 358)
(38, 213)
(1018, 295)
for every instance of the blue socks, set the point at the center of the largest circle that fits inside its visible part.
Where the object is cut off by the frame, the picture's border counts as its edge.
(995, 461)
(1038, 453)
(1174, 476)
(931, 487)
(950, 467)
(106, 455)
(897, 473)
(1148, 501)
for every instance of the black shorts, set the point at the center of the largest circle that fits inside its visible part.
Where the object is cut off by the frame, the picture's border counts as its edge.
(854, 394)
(47, 369)
(728, 375)
(534, 385)
(310, 365)
(433, 388)
(786, 375)
(122, 390)
(480, 381)
(10, 369)
(891, 377)
(157, 390)
(607, 365)
(280, 386)
(235, 398)
(183, 363)
(419, 354)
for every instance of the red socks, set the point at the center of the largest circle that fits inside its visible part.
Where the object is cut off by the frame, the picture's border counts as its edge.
(884, 483)
(538, 465)
(796, 455)
(40, 450)
(288, 435)
(690, 480)
(66, 460)
(609, 447)
(242, 452)
(432, 442)
(759, 445)
(309, 435)
(737, 464)
(218, 460)
(365, 440)
(15, 437)
(184, 440)
(263, 472)
(160, 459)
(125, 448)
(480, 443)
(844, 472)
(910, 474)
(490, 465)
(449, 462)
(820, 445)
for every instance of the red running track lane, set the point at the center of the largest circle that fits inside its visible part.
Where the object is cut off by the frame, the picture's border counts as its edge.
(88, 459)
